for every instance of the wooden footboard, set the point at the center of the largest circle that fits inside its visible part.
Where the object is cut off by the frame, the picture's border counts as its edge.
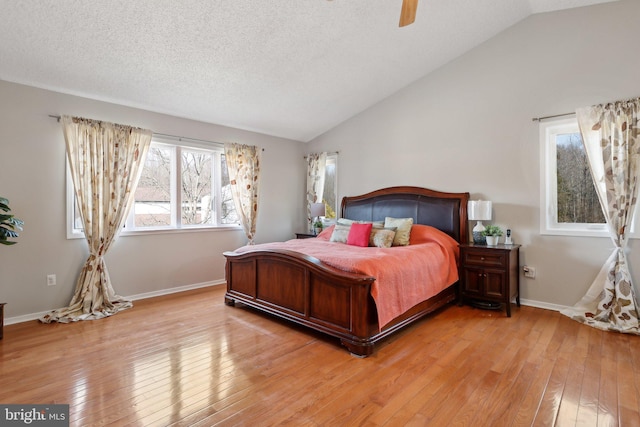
(303, 290)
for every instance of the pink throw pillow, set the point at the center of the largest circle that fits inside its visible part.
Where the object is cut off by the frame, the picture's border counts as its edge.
(359, 234)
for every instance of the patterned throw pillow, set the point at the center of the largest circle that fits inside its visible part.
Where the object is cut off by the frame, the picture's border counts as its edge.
(382, 237)
(403, 231)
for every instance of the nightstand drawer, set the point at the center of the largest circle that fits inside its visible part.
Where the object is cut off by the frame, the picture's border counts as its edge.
(485, 258)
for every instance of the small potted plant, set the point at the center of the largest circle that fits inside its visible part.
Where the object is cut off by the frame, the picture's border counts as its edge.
(8, 226)
(317, 226)
(8, 223)
(492, 233)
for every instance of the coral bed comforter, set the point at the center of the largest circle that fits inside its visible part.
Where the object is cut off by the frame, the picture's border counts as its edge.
(405, 275)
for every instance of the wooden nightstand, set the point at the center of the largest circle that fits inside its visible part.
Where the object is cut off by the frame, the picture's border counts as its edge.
(305, 235)
(490, 273)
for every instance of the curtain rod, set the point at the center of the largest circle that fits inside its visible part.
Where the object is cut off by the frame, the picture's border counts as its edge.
(538, 119)
(179, 138)
(185, 139)
(328, 153)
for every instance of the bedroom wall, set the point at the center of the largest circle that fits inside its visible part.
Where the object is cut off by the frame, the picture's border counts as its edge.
(32, 177)
(467, 127)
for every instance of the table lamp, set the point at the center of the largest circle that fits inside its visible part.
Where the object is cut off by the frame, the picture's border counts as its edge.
(479, 210)
(317, 210)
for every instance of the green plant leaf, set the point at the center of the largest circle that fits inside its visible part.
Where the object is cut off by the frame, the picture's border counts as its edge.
(7, 233)
(8, 224)
(492, 230)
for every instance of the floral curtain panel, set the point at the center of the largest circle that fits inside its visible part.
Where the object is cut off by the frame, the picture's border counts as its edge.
(316, 164)
(243, 163)
(610, 136)
(106, 161)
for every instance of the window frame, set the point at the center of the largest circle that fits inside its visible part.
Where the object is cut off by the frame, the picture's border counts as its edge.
(549, 224)
(177, 144)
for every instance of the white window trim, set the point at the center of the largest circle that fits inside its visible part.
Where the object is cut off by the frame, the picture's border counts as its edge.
(74, 233)
(548, 185)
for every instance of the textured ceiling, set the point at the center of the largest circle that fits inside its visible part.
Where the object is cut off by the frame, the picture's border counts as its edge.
(289, 68)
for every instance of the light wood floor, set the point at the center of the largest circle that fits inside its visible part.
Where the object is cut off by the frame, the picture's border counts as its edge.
(189, 360)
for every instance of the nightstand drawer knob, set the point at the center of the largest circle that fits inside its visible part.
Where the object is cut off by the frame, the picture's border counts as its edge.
(481, 258)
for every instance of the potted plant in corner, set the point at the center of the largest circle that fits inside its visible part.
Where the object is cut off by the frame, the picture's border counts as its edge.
(492, 233)
(8, 226)
(8, 223)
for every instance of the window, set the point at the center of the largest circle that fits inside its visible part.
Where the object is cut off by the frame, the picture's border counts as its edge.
(330, 192)
(182, 186)
(569, 202)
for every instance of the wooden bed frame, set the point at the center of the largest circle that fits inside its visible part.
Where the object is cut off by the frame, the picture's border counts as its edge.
(306, 291)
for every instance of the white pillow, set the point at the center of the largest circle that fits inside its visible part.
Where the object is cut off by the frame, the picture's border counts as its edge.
(340, 233)
(345, 221)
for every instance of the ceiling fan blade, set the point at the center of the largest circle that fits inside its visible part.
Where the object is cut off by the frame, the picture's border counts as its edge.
(408, 13)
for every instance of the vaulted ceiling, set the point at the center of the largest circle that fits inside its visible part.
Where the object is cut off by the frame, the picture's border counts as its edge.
(288, 68)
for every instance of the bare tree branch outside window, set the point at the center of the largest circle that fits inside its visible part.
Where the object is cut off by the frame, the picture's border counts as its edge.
(196, 188)
(329, 193)
(198, 202)
(577, 198)
(153, 194)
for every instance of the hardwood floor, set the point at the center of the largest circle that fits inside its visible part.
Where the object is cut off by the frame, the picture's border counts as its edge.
(189, 360)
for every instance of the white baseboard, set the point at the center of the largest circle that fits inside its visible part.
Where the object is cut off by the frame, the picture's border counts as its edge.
(175, 290)
(540, 304)
(35, 316)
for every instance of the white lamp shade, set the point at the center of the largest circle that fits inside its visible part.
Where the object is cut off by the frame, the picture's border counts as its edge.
(479, 210)
(317, 209)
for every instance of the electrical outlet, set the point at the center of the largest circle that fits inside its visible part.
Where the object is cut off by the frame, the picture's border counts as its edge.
(529, 272)
(51, 279)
